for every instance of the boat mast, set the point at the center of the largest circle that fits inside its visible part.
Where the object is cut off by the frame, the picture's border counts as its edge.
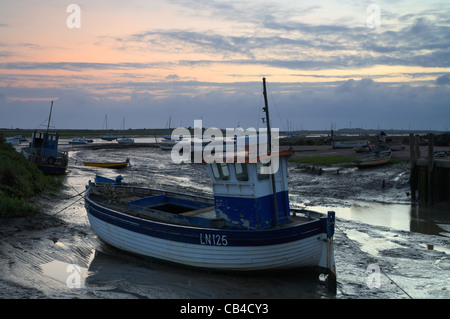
(266, 110)
(269, 149)
(49, 117)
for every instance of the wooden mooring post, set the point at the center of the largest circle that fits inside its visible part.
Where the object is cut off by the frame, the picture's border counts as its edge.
(430, 169)
(413, 167)
(430, 177)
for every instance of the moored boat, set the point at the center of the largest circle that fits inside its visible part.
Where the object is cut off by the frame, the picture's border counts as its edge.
(125, 140)
(238, 229)
(107, 137)
(13, 140)
(43, 151)
(115, 165)
(80, 140)
(247, 225)
(167, 143)
(378, 156)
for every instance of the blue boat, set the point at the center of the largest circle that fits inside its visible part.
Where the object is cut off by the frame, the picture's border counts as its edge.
(247, 225)
(43, 151)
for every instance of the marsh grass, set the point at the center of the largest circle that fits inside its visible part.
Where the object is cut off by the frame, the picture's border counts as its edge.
(19, 181)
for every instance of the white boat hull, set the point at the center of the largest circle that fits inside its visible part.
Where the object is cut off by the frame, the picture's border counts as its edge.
(307, 252)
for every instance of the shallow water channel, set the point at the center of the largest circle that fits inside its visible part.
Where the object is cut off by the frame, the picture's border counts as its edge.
(384, 246)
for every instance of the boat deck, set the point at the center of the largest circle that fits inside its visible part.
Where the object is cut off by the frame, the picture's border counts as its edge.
(174, 208)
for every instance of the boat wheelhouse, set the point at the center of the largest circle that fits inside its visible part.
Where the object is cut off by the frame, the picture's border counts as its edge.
(245, 196)
(43, 152)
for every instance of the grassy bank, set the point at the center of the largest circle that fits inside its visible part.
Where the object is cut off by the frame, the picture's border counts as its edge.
(19, 181)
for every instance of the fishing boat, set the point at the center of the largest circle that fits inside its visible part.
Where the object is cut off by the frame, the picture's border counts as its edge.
(378, 156)
(247, 225)
(115, 165)
(43, 151)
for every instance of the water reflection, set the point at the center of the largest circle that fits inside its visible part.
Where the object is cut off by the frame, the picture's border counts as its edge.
(70, 274)
(117, 274)
(430, 220)
(424, 220)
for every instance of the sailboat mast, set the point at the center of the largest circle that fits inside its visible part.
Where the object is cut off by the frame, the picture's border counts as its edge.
(49, 117)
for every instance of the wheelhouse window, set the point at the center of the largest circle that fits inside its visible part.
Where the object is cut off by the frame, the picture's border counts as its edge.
(261, 176)
(220, 171)
(241, 172)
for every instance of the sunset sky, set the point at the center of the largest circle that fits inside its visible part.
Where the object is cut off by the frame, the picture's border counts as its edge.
(348, 63)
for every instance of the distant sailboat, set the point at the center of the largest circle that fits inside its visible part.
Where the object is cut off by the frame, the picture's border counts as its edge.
(167, 142)
(107, 137)
(124, 140)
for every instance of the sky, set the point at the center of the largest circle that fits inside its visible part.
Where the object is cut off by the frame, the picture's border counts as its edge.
(328, 64)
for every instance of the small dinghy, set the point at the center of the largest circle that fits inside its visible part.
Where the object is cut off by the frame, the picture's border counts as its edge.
(378, 156)
(115, 165)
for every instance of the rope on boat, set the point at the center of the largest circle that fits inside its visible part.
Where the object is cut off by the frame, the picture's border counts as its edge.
(372, 258)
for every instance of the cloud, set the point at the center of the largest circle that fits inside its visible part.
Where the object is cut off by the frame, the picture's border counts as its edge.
(172, 77)
(366, 103)
(75, 66)
(304, 45)
(287, 36)
(443, 80)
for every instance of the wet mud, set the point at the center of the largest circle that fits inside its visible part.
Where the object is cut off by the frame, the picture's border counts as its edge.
(384, 246)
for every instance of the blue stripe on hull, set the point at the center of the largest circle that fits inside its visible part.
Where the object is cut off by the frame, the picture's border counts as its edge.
(205, 236)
